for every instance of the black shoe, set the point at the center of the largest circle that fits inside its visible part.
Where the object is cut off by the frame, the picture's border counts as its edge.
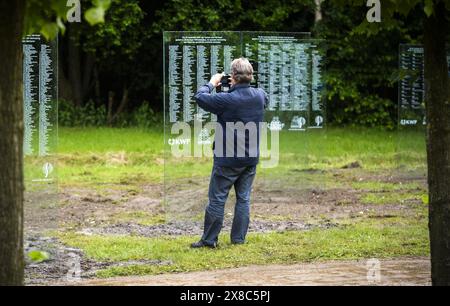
(237, 242)
(201, 244)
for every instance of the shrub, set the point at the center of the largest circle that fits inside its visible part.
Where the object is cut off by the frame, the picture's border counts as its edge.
(91, 115)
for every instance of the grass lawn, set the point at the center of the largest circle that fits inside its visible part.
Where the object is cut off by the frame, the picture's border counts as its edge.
(99, 156)
(369, 239)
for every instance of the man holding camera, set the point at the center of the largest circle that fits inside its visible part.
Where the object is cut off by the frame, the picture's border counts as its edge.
(234, 164)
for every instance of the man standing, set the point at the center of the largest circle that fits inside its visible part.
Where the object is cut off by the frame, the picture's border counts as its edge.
(236, 149)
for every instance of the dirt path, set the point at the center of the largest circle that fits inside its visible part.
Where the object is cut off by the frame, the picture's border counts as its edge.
(405, 271)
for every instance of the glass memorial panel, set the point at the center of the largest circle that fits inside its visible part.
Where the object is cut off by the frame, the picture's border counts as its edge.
(411, 114)
(282, 68)
(288, 67)
(40, 104)
(411, 86)
(411, 109)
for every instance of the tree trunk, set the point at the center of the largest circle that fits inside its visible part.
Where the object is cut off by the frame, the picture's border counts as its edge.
(11, 146)
(75, 65)
(97, 87)
(438, 143)
(123, 103)
(64, 85)
(318, 12)
(110, 107)
(89, 63)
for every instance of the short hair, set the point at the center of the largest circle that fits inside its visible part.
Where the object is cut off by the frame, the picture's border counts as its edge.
(242, 70)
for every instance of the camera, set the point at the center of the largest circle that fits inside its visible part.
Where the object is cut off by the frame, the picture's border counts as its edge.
(225, 84)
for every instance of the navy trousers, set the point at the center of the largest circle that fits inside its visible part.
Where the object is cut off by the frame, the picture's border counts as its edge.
(222, 180)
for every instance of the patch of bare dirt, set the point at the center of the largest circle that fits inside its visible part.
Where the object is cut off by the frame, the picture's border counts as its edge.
(82, 207)
(177, 228)
(330, 204)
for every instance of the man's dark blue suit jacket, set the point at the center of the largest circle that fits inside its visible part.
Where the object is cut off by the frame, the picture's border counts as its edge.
(241, 104)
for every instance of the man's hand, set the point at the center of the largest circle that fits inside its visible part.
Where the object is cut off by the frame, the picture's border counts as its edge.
(215, 80)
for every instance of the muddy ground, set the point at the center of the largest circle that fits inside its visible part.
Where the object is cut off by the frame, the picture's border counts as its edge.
(399, 272)
(278, 205)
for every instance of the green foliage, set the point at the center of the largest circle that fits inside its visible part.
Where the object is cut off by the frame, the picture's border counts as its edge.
(45, 17)
(90, 115)
(96, 14)
(145, 117)
(360, 65)
(119, 36)
(363, 57)
(429, 7)
(48, 16)
(38, 256)
(86, 115)
(270, 15)
(361, 71)
(114, 46)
